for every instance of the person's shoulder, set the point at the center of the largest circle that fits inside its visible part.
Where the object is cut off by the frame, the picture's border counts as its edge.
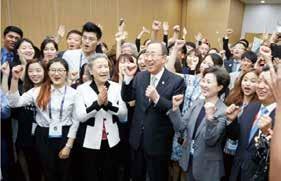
(84, 85)
(71, 52)
(174, 76)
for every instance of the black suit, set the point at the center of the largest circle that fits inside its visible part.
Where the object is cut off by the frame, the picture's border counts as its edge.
(243, 166)
(151, 130)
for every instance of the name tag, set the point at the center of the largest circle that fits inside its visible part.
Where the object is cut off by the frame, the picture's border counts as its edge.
(55, 130)
(192, 147)
(34, 125)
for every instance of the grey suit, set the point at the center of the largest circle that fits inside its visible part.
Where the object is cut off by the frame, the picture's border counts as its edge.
(207, 162)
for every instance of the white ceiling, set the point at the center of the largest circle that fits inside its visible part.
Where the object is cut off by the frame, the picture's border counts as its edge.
(258, 1)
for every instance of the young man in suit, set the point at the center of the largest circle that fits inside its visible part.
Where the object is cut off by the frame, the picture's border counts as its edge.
(246, 128)
(151, 130)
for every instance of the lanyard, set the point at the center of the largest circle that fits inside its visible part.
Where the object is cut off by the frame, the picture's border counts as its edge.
(80, 63)
(61, 106)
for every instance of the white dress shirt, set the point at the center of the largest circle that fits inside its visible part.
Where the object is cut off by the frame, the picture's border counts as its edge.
(75, 59)
(93, 135)
(73, 107)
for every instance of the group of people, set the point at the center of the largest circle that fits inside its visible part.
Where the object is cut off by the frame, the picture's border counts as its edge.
(167, 109)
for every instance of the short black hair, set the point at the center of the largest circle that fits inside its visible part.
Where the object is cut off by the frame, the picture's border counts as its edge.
(222, 77)
(216, 59)
(73, 32)
(91, 27)
(13, 29)
(250, 55)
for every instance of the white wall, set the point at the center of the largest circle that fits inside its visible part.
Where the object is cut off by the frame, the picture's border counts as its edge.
(261, 18)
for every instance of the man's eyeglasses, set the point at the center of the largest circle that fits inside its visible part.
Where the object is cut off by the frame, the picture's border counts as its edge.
(152, 54)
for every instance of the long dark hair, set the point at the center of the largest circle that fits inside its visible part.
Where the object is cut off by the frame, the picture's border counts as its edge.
(44, 43)
(236, 94)
(45, 91)
(28, 84)
(115, 76)
(17, 46)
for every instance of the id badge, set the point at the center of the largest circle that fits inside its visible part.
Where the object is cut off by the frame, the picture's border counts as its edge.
(55, 131)
(192, 147)
(34, 125)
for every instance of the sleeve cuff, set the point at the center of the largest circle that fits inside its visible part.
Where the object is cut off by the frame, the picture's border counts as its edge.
(94, 106)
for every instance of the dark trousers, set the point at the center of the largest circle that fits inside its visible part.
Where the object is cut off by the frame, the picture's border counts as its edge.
(33, 163)
(99, 165)
(155, 166)
(54, 168)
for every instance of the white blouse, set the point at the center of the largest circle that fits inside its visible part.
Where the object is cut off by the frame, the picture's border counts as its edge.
(73, 110)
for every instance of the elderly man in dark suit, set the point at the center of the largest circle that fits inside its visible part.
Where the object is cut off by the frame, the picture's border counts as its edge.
(246, 128)
(151, 131)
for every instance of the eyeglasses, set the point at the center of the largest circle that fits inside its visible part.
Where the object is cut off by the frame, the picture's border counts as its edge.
(152, 54)
(59, 71)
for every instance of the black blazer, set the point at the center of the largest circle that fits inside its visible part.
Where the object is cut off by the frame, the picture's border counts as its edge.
(240, 129)
(150, 122)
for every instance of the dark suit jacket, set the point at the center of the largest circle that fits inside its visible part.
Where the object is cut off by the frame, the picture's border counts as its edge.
(150, 122)
(228, 64)
(240, 129)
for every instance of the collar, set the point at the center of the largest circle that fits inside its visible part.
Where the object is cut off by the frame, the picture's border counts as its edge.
(159, 74)
(60, 90)
(94, 86)
(269, 107)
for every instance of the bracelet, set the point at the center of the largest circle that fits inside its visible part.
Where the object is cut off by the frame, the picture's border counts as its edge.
(69, 146)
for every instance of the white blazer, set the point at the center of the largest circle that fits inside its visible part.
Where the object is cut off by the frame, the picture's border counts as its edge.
(93, 134)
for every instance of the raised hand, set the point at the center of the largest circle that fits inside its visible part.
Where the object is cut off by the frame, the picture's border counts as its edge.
(121, 36)
(177, 29)
(177, 100)
(145, 30)
(232, 112)
(228, 32)
(210, 110)
(179, 44)
(198, 37)
(61, 31)
(5, 69)
(264, 123)
(17, 72)
(165, 27)
(131, 69)
(184, 33)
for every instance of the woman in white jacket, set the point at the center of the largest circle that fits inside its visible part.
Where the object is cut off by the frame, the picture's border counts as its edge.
(99, 135)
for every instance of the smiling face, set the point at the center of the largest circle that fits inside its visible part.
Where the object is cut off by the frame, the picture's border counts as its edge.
(203, 49)
(154, 60)
(249, 83)
(206, 63)
(73, 41)
(141, 62)
(263, 90)
(49, 51)
(35, 73)
(89, 42)
(209, 86)
(10, 40)
(100, 70)
(27, 50)
(238, 50)
(246, 64)
(57, 73)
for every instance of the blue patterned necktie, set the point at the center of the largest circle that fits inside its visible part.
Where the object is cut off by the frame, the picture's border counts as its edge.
(263, 111)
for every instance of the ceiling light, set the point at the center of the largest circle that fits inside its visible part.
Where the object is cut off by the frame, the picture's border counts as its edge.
(262, 2)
